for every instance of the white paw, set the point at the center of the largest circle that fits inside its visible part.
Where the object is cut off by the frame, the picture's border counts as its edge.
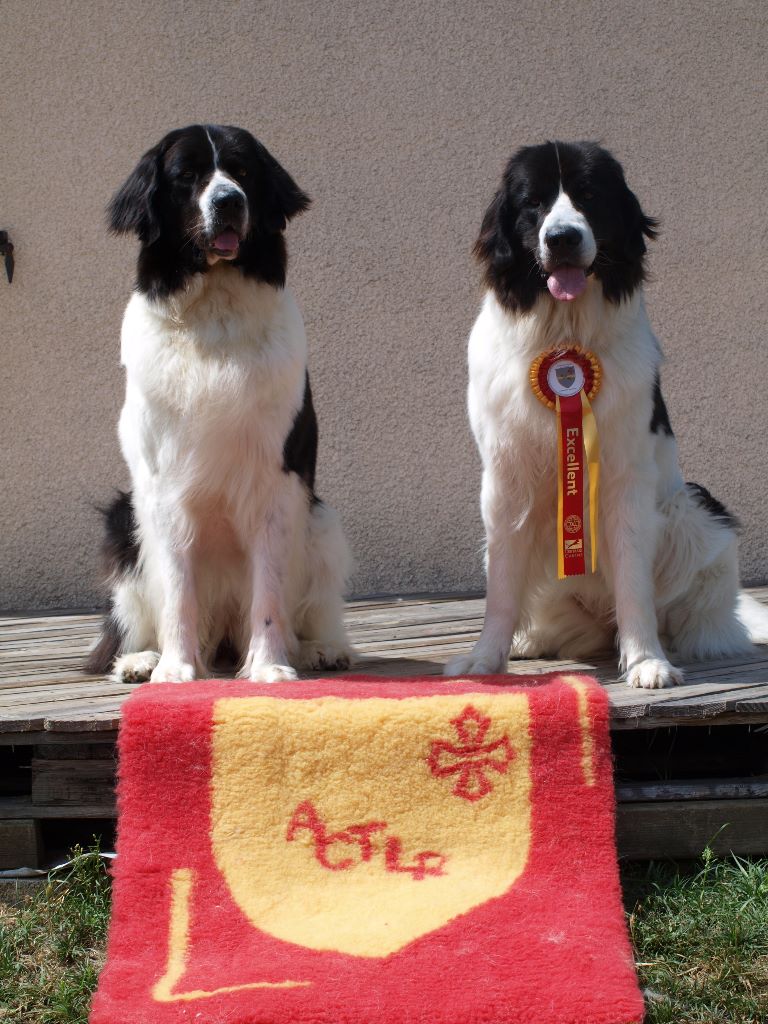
(134, 668)
(654, 674)
(476, 663)
(270, 673)
(317, 656)
(174, 670)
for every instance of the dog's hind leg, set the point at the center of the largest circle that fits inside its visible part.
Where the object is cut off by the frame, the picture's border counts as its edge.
(704, 622)
(134, 616)
(697, 578)
(320, 612)
(125, 648)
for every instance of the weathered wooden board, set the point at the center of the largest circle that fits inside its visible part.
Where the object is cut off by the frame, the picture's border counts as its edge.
(644, 830)
(682, 829)
(15, 808)
(20, 844)
(43, 690)
(89, 793)
(693, 789)
(66, 724)
(72, 781)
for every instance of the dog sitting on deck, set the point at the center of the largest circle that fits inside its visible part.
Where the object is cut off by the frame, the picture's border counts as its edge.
(563, 247)
(222, 542)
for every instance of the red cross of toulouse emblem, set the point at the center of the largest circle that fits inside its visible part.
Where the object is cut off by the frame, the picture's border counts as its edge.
(471, 758)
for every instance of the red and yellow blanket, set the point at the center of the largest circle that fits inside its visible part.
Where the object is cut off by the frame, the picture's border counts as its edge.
(364, 852)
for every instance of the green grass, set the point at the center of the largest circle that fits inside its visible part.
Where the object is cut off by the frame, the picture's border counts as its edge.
(701, 940)
(51, 946)
(700, 934)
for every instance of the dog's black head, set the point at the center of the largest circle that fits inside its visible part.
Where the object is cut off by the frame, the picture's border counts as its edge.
(203, 194)
(563, 211)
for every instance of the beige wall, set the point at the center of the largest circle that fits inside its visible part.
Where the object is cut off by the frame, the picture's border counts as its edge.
(397, 118)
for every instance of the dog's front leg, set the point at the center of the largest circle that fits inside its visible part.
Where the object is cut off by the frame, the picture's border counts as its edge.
(173, 557)
(630, 532)
(272, 637)
(507, 529)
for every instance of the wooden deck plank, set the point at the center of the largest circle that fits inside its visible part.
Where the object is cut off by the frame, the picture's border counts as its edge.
(638, 704)
(692, 789)
(755, 700)
(711, 704)
(47, 702)
(43, 689)
(13, 808)
(682, 829)
(51, 695)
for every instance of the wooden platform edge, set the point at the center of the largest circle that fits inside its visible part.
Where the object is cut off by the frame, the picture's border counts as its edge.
(682, 829)
(43, 690)
(672, 830)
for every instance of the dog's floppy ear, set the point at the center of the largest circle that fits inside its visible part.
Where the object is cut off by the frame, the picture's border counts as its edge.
(506, 268)
(623, 268)
(133, 207)
(493, 247)
(637, 225)
(284, 198)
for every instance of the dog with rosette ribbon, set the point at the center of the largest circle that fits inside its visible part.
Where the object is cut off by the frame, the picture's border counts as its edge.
(564, 328)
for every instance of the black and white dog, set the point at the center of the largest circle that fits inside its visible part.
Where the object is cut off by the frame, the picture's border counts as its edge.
(563, 246)
(222, 541)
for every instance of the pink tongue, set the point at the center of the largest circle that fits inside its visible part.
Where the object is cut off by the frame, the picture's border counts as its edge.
(566, 283)
(227, 241)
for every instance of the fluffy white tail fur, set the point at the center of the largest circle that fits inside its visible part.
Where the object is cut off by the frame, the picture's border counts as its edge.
(754, 615)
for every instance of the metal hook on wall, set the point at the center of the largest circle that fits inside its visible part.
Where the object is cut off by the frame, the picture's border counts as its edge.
(6, 251)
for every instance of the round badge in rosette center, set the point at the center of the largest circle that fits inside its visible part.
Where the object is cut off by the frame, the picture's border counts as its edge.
(565, 378)
(563, 373)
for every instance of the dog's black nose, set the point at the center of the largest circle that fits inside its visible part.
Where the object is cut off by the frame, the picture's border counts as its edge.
(559, 239)
(229, 202)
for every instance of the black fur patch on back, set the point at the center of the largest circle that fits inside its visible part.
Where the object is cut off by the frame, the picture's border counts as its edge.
(660, 417)
(300, 448)
(714, 507)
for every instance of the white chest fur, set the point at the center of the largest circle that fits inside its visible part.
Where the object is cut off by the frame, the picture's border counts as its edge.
(214, 379)
(509, 422)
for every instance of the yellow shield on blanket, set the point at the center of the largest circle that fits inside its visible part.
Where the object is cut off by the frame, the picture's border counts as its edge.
(360, 825)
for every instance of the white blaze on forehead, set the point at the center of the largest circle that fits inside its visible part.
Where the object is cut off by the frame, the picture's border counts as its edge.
(564, 214)
(213, 147)
(219, 185)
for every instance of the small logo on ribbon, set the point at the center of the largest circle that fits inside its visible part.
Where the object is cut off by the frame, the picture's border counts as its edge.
(572, 524)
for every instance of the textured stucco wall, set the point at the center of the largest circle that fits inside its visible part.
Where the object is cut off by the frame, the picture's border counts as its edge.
(397, 118)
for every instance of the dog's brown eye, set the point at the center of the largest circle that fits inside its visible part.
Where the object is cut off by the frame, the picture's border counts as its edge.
(187, 175)
(586, 196)
(241, 172)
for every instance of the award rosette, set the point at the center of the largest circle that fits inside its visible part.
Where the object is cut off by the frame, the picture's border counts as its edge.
(566, 379)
